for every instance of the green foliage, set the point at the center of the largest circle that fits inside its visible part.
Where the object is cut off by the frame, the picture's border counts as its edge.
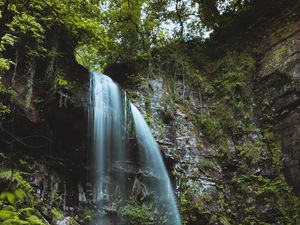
(274, 192)
(199, 82)
(3, 110)
(134, 213)
(208, 164)
(233, 72)
(34, 220)
(4, 64)
(20, 193)
(5, 92)
(31, 33)
(231, 111)
(238, 179)
(19, 203)
(132, 29)
(250, 152)
(60, 82)
(210, 126)
(13, 201)
(7, 214)
(148, 115)
(214, 13)
(58, 214)
(28, 26)
(136, 79)
(16, 176)
(8, 217)
(196, 203)
(107, 31)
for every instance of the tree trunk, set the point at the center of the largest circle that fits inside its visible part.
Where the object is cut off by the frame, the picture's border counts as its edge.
(16, 67)
(29, 84)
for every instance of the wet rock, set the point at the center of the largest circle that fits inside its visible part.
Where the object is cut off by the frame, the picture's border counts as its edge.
(141, 180)
(176, 134)
(67, 221)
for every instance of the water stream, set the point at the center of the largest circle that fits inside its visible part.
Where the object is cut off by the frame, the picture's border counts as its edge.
(126, 159)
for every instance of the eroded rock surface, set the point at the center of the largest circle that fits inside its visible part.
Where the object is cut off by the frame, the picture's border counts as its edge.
(278, 95)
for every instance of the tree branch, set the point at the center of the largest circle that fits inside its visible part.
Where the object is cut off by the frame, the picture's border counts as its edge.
(20, 139)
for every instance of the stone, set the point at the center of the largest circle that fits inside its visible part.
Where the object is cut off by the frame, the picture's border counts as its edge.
(278, 86)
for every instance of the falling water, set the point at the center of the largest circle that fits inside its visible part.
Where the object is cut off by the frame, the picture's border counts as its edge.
(126, 158)
(148, 145)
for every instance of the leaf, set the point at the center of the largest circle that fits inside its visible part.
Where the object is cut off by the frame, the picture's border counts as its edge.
(10, 198)
(3, 195)
(20, 193)
(7, 214)
(23, 162)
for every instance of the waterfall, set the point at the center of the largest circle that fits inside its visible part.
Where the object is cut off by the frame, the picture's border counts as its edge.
(126, 160)
(148, 146)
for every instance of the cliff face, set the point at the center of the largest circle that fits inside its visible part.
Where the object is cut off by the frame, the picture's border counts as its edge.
(276, 89)
(45, 136)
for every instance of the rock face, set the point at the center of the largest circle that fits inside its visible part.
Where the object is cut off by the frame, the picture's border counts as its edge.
(170, 118)
(277, 93)
(49, 124)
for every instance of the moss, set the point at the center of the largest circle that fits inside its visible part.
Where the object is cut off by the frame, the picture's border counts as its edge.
(279, 53)
(281, 31)
(208, 165)
(136, 79)
(134, 213)
(87, 219)
(133, 96)
(161, 128)
(57, 213)
(210, 126)
(250, 152)
(148, 115)
(248, 158)
(34, 220)
(200, 82)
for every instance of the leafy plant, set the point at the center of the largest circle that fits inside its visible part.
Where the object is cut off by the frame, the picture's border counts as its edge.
(134, 213)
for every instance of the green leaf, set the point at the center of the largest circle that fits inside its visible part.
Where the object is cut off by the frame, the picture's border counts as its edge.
(11, 198)
(20, 193)
(7, 214)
